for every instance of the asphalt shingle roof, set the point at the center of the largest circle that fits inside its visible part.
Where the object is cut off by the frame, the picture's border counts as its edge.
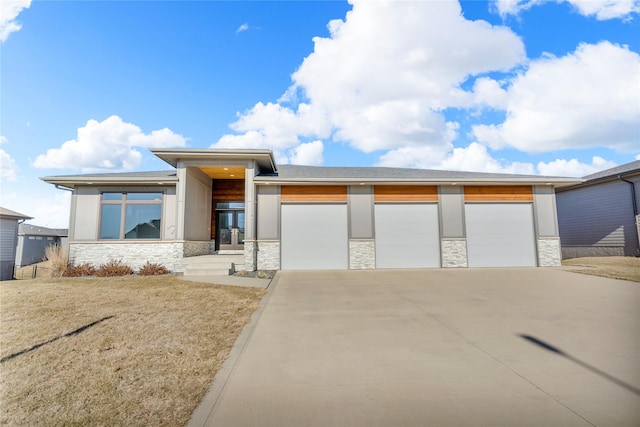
(317, 172)
(8, 213)
(36, 230)
(614, 172)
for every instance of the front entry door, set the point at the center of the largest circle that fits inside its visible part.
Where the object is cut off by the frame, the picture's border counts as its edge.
(230, 233)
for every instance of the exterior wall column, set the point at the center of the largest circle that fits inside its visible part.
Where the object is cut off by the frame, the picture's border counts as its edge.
(453, 238)
(268, 225)
(181, 192)
(546, 225)
(362, 245)
(250, 245)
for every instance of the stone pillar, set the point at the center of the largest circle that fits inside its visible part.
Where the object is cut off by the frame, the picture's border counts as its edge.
(362, 254)
(546, 226)
(549, 254)
(453, 242)
(268, 255)
(454, 253)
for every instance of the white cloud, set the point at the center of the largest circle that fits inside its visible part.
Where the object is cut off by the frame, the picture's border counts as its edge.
(51, 211)
(380, 81)
(8, 167)
(488, 92)
(573, 167)
(390, 67)
(601, 9)
(638, 157)
(473, 158)
(243, 27)
(9, 11)
(109, 144)
(587, 98)
(307, 154)
(48, 206)
(276, 127)
(476, 158)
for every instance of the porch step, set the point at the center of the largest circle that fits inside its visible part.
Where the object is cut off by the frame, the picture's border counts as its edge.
(212, 265)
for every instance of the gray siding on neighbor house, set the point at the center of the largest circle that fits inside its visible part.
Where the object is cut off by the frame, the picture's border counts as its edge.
(31, 249)
(598, 220)
(8, 237)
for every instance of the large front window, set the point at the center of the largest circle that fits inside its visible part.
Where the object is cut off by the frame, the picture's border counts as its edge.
(130, 215)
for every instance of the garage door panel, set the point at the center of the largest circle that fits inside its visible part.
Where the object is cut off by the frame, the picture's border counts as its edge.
(500, 235)
(407, 236)
(314, 237)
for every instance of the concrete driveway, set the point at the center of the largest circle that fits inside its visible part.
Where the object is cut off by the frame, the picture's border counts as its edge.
(472, 347)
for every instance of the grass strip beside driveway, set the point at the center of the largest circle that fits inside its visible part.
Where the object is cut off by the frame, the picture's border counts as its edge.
(613, 267)
(114, 351)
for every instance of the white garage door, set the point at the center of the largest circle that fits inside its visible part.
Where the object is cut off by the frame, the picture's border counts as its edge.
(314, 237)
(500, 235)
(407, 236)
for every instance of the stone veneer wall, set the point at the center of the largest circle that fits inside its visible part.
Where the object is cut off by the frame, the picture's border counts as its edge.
(268, 255)
(134, 255)
(196, 248)
(250, 255)
(549, 254)
(454, 253)
(362, 254)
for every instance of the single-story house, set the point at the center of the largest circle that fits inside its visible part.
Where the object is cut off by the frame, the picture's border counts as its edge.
(301, 217)
(9, 221)
(34, 239)
(599, 217)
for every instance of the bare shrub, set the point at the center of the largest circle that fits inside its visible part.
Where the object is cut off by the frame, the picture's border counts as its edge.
(80, 270)
(113, 268)
(153, 269)
(58, 256)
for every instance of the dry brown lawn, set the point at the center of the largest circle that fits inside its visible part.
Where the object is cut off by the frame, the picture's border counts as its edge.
(113, 351)
(615, 267)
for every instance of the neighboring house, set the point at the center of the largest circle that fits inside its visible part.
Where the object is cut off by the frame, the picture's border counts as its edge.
(599, 217)
(302, 217)
(33, 240)
(9, 221)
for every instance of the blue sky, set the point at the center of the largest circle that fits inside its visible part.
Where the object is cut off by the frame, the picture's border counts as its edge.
(516, 86)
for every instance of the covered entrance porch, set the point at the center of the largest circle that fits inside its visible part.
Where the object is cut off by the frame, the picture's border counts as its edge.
(216, 209)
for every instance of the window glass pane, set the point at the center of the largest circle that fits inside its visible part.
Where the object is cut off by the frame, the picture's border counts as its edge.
(144, 196)
(142, 222)
(240, 227)
(111, 196)
(110, 222)
(230, 205)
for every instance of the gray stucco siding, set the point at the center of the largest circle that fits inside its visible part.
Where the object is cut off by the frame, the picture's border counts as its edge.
(451, 205)
(361, 212)
(197, 206)
(86, 217)
(268, 218)
(545, 211)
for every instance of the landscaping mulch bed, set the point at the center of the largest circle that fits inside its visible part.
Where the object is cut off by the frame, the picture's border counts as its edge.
(114, 351)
